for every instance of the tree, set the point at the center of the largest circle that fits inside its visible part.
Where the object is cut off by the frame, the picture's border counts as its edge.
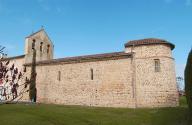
(179, 81)
(10, 89)
(32, 85)
(1, 51)
(13, 83)
(10, 76)
(188, 81)
(180, 85)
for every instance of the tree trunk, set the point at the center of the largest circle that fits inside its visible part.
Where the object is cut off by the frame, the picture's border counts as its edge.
(32, 86)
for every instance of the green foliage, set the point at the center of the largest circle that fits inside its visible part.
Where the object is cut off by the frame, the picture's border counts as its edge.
(182, 101)
(188, 81)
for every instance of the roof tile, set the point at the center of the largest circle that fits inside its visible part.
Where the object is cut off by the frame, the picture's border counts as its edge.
(148, 41)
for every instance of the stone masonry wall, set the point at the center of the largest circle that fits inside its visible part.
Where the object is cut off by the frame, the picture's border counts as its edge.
(41, 41)
(155, 89)
(111, 85)
(129, 82)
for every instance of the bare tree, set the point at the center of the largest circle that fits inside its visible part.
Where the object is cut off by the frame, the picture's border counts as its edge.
(2, 51)
(13, 83)
(180, 83)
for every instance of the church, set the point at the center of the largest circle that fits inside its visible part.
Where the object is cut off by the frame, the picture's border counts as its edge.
(141, 75)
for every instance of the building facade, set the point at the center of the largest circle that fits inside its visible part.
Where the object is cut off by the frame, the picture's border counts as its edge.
(143, 75)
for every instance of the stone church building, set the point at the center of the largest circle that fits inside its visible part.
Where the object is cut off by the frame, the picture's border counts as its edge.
(142, 75)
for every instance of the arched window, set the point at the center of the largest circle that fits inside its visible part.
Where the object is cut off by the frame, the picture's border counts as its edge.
(59, 76)
(33, 44)
(91, 74)
(41, 47)
(48, 48)
(157, 65)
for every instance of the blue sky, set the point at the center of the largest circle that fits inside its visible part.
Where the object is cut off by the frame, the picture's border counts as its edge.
(81, 27)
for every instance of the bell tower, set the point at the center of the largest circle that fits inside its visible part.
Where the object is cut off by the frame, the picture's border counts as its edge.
(41, 42)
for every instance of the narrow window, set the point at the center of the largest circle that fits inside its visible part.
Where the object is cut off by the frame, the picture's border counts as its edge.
(48, 48)
(41, 47)
(33, 44)
(59, 76)
(157, 65)
(91, 74)
(25, 69)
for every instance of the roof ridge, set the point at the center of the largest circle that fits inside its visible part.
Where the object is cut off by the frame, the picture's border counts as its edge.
(42, 29)
(32, 34)
(148, 41)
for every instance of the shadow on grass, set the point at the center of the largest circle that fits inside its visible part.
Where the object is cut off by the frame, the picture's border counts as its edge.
(41, 114)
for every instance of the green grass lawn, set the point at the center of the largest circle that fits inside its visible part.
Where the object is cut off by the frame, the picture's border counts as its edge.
(22, 114)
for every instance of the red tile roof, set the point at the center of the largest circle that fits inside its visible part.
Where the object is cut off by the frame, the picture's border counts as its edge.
(87, 58)
(149, 41)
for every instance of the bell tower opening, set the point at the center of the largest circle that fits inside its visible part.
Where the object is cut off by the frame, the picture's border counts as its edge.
(41, 42)
(41, 47)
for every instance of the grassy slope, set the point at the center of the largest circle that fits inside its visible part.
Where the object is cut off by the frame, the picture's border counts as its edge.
(76, 115)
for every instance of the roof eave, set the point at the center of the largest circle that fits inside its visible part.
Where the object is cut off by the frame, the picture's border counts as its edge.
(172, 46)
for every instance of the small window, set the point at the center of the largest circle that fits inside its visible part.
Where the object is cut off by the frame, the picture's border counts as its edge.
(91, 74)
(25, 69)
(157, 65)
(33, 44)
(41, 47)
(59, 76)
(48, 48)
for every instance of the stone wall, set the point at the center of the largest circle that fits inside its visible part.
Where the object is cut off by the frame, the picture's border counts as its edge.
(118, 80)
(111, 85)
(17, 61)
(42, 44)
(155, 89)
